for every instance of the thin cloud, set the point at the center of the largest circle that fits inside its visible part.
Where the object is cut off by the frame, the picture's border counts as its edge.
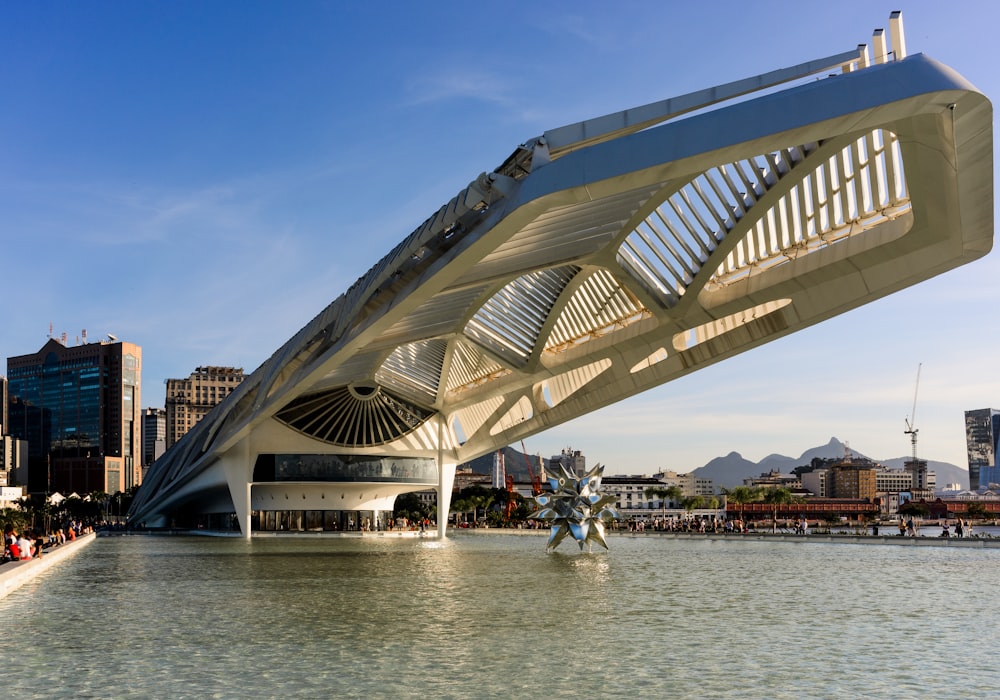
(459, 84)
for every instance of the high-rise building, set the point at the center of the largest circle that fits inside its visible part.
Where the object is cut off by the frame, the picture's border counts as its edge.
(852, 477)
(189, 400)
(3, 405)
(982, 430)
(13, 452)
(154, 434)
(78, 409)
(574, 461)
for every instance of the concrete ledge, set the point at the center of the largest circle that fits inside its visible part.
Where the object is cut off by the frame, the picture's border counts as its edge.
(15, 574)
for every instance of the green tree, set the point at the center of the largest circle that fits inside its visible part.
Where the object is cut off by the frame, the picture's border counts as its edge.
(911, 508)
(692, 503)
(741, 495)
(507, 502)
(409, 505)
(13, 517)
(100, 500)
(461, 506)
(480, 502)
(975, 509)
(478, 497)
(522, 510)
(37, 510)
(672, 492)
(778, 496)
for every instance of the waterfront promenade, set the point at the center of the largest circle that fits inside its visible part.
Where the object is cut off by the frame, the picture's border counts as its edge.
(986, 540)
(15, 574)
(977, 542)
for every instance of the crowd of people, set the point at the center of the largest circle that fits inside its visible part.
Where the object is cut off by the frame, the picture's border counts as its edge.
(31, 544)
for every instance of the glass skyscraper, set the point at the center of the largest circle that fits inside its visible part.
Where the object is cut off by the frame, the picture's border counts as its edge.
(78, 409)
(982, 429)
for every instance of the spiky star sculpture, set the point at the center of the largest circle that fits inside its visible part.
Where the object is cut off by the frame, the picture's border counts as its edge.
(575, 507)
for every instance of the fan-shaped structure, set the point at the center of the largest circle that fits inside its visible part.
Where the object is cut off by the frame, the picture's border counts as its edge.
(599, 260)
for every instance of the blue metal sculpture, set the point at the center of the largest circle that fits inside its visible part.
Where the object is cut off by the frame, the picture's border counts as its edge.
(575, 507)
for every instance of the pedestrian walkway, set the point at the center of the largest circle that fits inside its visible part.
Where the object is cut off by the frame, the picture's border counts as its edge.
(15, 574)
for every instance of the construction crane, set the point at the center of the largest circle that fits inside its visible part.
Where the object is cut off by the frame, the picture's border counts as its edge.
(911, 422)
(536, 480)
(511, 497)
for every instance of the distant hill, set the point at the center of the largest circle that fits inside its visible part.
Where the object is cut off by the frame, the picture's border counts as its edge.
(732, 469)
(514, 464)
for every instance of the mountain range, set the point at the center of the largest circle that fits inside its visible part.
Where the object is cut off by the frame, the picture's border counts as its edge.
(732, 469)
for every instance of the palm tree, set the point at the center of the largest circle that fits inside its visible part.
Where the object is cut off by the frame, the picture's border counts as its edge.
(672, 492)
(37, 510)
(741, 495)
(461, 506)
(472, 504)
(692, 503)
(100, 499)
(14, 518)
(778, 496)
(482, 501)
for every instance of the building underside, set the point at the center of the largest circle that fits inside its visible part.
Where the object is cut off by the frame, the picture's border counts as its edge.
(600, 260)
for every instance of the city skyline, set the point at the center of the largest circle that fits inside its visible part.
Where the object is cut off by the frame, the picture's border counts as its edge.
(204, 181)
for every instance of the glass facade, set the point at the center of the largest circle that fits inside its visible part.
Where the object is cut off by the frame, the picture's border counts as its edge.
(77, 407)
(344, 468)
(982, 429)
(318, 521)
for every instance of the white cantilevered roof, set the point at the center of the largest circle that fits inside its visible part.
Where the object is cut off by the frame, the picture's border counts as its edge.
(614, 255)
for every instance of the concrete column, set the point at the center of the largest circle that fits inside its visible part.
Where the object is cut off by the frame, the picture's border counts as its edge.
(446, 480)
(880, 47)
(896, 34)
(239, 473)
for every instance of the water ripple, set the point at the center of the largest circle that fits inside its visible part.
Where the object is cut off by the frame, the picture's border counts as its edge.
(495, 616)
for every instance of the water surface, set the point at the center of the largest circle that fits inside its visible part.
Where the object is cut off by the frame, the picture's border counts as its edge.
(479, 616)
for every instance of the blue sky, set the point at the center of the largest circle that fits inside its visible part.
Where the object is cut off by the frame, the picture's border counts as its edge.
(201, 178)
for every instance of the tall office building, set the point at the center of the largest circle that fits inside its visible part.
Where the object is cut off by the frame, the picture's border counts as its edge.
(852, 478)
(189, 400)
(982, 429)
(13, 452)
(3, 405)
(78, 409)
(154, 434)
(573, 460)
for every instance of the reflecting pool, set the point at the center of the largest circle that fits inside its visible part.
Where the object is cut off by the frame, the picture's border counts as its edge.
(493, 615)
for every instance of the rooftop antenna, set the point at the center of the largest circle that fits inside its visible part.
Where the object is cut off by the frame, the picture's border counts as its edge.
(911, 422)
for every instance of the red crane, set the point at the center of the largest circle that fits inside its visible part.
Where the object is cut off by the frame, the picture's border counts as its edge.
(536, 480)
(511, 499)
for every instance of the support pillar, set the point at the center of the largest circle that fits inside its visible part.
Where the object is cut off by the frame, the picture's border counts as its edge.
(239, 473)
(446, 481)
